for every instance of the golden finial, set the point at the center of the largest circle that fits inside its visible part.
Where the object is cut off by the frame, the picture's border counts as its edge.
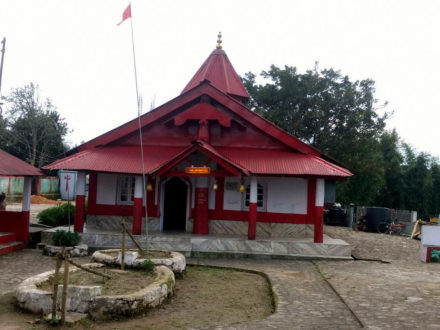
(219, 40)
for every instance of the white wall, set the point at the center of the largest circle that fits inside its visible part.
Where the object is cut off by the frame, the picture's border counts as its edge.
(232, 197)
(106, 190)
(287, 195)
(282, 195)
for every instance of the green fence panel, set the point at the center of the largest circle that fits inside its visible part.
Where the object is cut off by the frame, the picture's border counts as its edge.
(56, 185)
(4, 185)
(17, 186)
(45, 186)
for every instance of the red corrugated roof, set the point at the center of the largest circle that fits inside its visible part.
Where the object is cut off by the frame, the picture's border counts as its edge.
(219, 71)
(203, 89)
(121, 159)
(256, 161)
(264, 161)
(10, 165)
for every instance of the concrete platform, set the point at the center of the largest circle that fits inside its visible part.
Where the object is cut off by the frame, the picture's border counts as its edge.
(224, 246)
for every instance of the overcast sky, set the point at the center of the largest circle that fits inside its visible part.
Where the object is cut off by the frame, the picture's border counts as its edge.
(83, 62)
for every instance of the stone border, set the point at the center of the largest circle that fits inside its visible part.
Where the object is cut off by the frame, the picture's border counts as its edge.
(81, 250)
(87, 299)
(177, 261)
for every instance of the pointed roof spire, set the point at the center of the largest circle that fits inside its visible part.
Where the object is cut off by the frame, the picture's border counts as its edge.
(221, 74)
(219, 40)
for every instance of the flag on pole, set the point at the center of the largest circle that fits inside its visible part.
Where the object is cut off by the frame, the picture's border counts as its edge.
(126, 14)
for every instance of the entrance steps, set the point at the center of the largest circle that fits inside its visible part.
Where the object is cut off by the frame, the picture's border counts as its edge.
(9, 243)
(192, 245)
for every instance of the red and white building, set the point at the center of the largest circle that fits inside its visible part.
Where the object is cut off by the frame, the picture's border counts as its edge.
(14, 225)
(200, 149)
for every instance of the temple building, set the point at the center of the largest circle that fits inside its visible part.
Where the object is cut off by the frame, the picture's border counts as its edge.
(212, 166)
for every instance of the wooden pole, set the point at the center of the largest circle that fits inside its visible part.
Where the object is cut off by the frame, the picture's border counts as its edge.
(65, 284)
(123, 247)
(132, 238)
(55, 285)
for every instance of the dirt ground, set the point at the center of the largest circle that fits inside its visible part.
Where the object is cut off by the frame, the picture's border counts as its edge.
(205, 297)
(393, 248)
(120, 282)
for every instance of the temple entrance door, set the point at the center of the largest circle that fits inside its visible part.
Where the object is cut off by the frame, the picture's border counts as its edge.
(175, 203)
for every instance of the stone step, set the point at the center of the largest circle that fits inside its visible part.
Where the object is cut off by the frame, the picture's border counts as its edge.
(11, 246)
(7, 237)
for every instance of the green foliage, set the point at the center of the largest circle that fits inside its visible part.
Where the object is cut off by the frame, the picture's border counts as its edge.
(65, 238)
(148, 265)
(32, 129)
(60, 215)
(341, 118)
(333, 114)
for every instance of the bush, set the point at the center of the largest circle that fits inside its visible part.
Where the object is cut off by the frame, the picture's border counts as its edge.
(58, 215)
(65, 238)
(148, 265)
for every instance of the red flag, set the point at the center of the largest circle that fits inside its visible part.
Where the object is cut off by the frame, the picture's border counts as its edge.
(126, 14)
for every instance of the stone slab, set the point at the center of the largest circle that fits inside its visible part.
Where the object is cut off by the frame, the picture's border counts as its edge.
(190, 244)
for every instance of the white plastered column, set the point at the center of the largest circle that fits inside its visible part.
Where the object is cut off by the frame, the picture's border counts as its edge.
(138, 187)
(253, 195)
(81, 183)
(26, 204)
(320, 192)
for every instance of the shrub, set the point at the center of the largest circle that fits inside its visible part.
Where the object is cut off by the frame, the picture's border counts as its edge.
(65, 238)
(148, 265)
(58, 215)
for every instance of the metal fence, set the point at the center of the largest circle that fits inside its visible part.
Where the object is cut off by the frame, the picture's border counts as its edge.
(406, 217)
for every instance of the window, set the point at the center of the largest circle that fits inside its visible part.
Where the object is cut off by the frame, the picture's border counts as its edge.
(126, 189)
(260, 196)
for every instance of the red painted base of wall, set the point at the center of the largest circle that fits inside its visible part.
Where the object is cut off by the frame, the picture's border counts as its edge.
(252, 223)
(201, 215)
(137, 216)
(17, 223)
(78, 225)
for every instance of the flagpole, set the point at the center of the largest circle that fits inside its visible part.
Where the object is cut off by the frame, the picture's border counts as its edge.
(144, 197)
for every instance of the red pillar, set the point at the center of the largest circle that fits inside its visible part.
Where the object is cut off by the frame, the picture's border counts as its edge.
(78, 224)
(201, 220)
(252, 221)
(137, 216)
(252, 224)
(314, 212)
(319, 225)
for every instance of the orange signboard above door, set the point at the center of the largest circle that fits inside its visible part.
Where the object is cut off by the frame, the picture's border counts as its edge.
(198, 170)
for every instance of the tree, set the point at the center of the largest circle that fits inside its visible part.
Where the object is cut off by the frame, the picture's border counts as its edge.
(333, 114)
(418, 194)
(392, 193)
(34, 130)
(435, 193)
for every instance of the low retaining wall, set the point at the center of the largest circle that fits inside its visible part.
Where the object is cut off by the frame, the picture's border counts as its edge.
(176, 262)
(87, 299)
